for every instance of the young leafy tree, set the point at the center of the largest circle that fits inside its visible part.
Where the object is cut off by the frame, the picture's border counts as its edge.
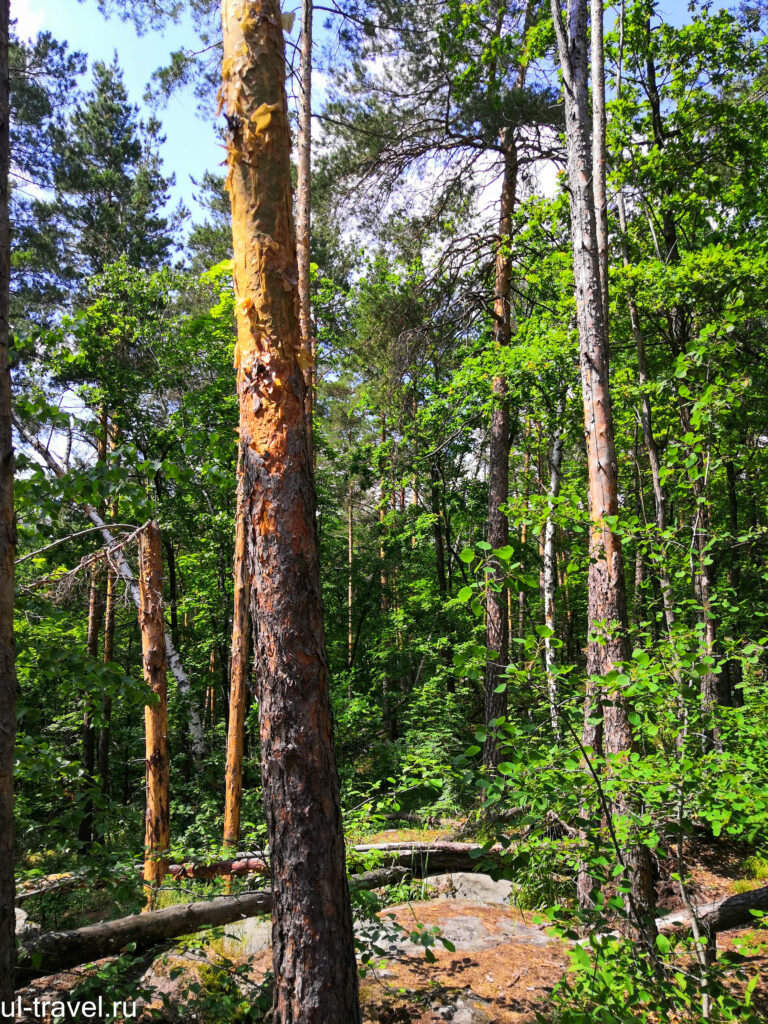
(314, 958)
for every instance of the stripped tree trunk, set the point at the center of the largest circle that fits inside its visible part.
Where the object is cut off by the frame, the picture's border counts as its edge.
(313, 945)
(607, 606)
(157, 837)
(497, 623)
(550, 568)
(238, 691)
(7, 555)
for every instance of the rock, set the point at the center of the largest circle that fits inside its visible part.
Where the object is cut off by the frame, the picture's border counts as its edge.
(26, 929)
(472, 886)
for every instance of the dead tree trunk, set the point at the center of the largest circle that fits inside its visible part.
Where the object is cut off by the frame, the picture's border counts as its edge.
(238, 690)
(7, 555)
(497, 621)
(157, 838)
(313, 947)
(607, 606)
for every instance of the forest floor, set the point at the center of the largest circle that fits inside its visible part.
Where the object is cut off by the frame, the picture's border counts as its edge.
(502, 970)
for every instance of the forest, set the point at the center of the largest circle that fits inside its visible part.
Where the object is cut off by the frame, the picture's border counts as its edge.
(383, 546)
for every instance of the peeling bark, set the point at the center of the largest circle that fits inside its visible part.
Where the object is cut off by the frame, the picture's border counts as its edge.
(313, 947)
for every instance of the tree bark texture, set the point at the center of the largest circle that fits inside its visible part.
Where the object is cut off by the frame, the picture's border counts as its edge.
(607, 605)
(238, 691)
(313, 947)
(157, 833)
(7, 554)
(497, 621)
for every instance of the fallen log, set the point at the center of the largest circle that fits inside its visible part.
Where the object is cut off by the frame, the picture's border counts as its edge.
(419, 858)
(59, 951)
(720, 916)
(433, 858)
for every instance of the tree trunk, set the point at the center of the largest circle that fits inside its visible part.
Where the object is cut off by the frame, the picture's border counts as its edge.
(7, 555)
(157, 836)
(350, 578)
(238, 692)
(607, 606)
(550, 568)
(497, 628)
(313, 945)
(304, 211)
(437, 526)
(96, 606)
(108, 656)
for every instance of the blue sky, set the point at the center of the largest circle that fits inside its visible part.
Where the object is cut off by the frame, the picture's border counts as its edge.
(191, 146)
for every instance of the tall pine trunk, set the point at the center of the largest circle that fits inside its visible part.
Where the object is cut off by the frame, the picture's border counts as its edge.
(607, 605)
(313, 945)
(238, 690)
(7, 555)
(157, 836)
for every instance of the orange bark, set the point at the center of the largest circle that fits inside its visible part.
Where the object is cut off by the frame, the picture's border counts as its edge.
(157, 816)
(313, 946)
(233, 773)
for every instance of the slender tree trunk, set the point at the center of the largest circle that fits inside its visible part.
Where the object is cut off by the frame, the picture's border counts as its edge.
(157, 838)
(238, 692)
(734, 578)
(437, 526)
(313, 945)
(607, 606)
(106, 703)
(96, 602)
(304, 211)
(350, 578)
(550, 568)
(7, 556)
(497, 628)
(109, 649)
(96, 606)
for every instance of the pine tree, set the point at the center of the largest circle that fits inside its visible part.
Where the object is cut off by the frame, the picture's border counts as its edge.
(109, 187)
